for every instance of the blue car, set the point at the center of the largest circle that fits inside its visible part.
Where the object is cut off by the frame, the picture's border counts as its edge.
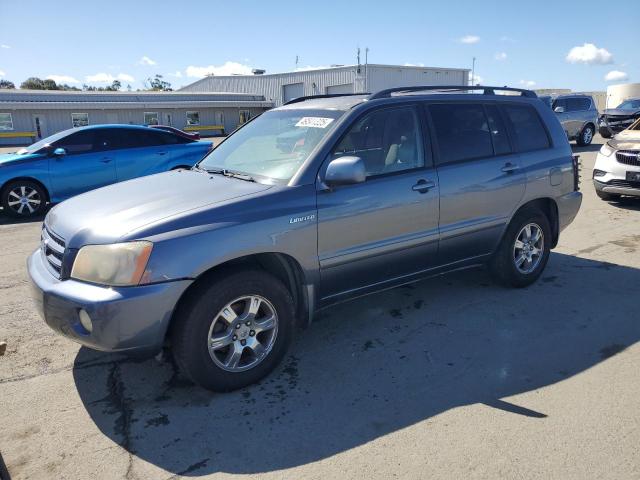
(81, 159)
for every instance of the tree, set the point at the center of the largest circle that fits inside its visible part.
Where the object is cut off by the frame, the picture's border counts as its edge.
(32, 83)
(6, 85)
(157, 84)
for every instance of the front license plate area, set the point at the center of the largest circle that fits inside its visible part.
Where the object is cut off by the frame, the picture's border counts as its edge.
(633, 176)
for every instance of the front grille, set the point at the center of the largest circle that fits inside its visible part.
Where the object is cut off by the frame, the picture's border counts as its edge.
(623, 184)
(53, 248)
(628, 157)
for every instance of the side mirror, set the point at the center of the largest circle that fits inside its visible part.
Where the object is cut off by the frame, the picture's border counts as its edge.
(559, 109)
(59, 152)
(345, 171)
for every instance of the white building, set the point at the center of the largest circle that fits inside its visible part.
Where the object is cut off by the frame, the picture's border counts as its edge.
(282, 87)
(616, 94)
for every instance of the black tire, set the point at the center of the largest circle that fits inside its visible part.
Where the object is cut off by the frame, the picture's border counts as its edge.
(192, 321)
(586, 136)
(35, 194)
(607, 196)
(605, 132)
(503, 266)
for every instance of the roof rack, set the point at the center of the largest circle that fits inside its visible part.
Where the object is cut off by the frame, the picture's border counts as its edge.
(328, 95)
(451, 88)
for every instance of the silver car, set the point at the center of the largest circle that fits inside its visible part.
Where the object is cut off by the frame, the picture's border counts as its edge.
(578, 115)
(309, 204)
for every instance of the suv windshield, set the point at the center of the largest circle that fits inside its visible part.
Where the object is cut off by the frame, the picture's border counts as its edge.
(274, 145)
(629, 105)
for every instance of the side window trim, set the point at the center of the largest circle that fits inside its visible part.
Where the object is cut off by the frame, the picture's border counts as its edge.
(426, 153)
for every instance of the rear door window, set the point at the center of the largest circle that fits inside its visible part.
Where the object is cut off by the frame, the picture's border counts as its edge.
(501, 145)
(462, 131)
(530, 133)
(577, 104)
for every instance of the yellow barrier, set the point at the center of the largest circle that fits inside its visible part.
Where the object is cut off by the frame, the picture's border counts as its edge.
(17, 134)
(197, 128)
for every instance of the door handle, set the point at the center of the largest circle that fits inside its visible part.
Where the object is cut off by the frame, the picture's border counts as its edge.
(423, 186)
(106, 160)
(509, 167)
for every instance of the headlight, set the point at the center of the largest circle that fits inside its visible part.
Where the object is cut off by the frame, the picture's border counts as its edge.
(607, 150)
(120, 264)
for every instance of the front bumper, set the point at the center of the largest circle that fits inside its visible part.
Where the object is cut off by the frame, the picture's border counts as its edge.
(125, 319)
(614, 180)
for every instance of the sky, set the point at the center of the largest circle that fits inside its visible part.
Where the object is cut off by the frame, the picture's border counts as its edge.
(543, 44)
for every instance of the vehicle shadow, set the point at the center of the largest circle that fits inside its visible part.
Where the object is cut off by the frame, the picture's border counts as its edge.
(8, 220)
(627, 203)
(371, 367)
(593, 147)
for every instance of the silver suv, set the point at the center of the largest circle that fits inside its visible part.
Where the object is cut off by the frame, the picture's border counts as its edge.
(318, 201)
(578, 115)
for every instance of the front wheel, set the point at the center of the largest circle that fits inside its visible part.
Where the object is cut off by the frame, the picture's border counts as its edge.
(524, 250)
(605, 132)
(586, 136)
(232, 331)
(23, 199)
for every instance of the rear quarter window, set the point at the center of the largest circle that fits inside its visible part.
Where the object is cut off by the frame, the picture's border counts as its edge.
(530, 133)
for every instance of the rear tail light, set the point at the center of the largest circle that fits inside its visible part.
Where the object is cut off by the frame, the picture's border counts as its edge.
(576, 172)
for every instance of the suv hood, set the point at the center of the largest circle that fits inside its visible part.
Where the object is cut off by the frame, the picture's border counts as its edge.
(14, 158)
(107, 214)
(618, 112)
(626, 140)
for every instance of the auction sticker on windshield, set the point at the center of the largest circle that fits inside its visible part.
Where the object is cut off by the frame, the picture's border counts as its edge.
(314, 122)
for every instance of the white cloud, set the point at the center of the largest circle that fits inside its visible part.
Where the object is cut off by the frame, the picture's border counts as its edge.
(589, 54)
(62, 79)
(146, 61)
(616, 76)
(505, 38)
(469, 39)
(476, 79)
(2, 74)
(500, 56)
(5, 46)
(108, 78)
(527, 83)
(177, 74)
(228, 68)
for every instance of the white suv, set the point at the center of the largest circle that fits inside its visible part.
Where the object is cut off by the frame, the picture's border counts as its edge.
(617, 168)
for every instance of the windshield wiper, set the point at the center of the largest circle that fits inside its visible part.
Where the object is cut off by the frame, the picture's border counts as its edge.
(228, 173)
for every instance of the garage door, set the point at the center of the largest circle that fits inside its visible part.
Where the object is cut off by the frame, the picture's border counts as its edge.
(344, 88)
(291, 91)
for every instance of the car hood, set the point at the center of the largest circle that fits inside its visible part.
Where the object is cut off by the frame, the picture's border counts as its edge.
(107, 214)
(626, 140)
(620, 112)
(14, 158)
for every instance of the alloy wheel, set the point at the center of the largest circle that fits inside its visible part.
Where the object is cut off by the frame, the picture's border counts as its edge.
(242, 334)
(24, 200)
(528, 248)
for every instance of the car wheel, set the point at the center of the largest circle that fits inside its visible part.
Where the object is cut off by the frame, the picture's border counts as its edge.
(23, 198)
(232, 331)
(524, 250)
(605, 132)
(607, 196)
(586, 136)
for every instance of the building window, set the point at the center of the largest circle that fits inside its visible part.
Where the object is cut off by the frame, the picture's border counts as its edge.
(193, 118)
(245, 116)
(79, 119)
(151, 118)
(6, 122)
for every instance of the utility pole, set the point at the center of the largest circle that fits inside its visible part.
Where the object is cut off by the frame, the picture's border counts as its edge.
(473, 72)
(297, 60)
(366, 69)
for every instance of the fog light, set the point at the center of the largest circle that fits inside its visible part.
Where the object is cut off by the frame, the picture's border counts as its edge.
(85, 320)
(599, 173)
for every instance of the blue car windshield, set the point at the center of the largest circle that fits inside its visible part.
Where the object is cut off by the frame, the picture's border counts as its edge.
(36, 147)
(274, 145)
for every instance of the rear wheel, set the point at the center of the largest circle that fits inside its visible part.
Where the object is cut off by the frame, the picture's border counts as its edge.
(607, 196)
(23, 198)
(524, 250)
(231, 332)
(586, 136)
